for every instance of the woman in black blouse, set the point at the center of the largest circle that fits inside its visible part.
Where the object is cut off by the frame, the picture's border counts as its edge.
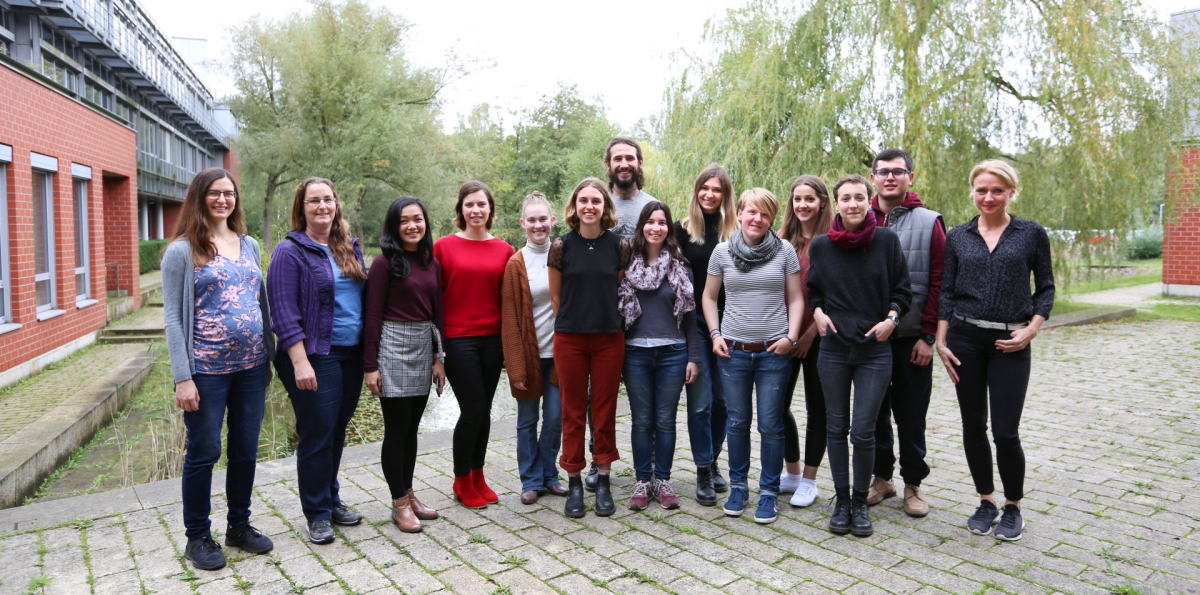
(988, 316)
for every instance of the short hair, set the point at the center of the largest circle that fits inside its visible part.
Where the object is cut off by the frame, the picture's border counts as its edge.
(890, 154)
(468, 189)
(852, 179)
(622, 140)
(998, 168)
(761, 199)
(727, 221)
(608, 220)
(535, 198)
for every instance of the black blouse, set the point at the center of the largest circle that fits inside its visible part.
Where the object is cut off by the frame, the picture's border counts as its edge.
(698, 256)
(994, 286)
(590, 269)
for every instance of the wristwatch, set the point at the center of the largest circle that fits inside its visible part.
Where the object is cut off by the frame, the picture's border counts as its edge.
(895, 319)
(929, 339)
(793, 342)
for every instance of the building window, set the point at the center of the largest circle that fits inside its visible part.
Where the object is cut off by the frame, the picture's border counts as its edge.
(43, 240)
(83, 271)
(5, 290)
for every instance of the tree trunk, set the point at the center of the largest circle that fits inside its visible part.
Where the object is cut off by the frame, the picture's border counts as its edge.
(358, 202)
(269, 211)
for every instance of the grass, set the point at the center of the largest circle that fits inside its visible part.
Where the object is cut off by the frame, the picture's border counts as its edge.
(1146, 271)
(1184, 312)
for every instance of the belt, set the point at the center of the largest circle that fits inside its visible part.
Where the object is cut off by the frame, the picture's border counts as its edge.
(1000, 326)
(753, 347)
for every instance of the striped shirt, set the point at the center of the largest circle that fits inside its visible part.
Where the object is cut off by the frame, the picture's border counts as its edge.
(755, 306)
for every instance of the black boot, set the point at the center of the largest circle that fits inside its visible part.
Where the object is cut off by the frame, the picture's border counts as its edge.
(860, 515)
(590, 482)
(705, 494)
(574, 507)
(719, 483)
(604, 501)
(839, 521)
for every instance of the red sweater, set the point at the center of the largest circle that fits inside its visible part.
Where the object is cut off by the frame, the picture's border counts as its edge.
(472, 272)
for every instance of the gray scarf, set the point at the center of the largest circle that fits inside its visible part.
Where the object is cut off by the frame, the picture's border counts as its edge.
(747, 257)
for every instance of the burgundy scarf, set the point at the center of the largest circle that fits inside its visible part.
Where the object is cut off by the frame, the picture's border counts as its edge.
(853, 239)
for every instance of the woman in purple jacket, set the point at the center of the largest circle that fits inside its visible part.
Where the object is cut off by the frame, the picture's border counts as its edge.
(316, 283)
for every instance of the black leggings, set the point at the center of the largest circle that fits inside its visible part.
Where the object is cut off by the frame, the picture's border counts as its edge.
(1004, 377)
(814, 403)
(398, 456)
(473, 369)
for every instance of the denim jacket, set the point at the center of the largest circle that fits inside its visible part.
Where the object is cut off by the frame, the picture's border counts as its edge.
(300, 292)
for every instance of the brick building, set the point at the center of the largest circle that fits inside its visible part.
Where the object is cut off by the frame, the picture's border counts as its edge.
(102, 126)
(1181, 229)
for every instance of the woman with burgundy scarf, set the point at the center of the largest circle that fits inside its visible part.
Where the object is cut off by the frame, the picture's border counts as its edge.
(858, 288)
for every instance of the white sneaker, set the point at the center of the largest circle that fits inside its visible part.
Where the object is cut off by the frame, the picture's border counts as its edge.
(789, 482)
(806, 493)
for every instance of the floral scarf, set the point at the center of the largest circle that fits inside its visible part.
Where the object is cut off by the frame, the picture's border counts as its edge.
(639, 277)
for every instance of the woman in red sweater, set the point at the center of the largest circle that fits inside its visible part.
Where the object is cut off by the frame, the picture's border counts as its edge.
(472, 262)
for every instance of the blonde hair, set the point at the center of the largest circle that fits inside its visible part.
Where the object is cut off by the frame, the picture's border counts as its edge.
(536, 198)
(608, 219)
(998, 168)
(761, 199)
(726, 219)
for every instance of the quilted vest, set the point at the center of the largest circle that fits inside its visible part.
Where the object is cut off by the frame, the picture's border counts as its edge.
(915, 228)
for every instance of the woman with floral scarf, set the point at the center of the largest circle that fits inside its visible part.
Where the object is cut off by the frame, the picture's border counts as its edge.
(662, 351)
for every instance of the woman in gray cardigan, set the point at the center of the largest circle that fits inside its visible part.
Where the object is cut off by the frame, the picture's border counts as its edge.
(219, 338)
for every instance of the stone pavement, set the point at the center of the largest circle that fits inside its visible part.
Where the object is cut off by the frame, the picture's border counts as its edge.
(1110, 434)
(1135, 296)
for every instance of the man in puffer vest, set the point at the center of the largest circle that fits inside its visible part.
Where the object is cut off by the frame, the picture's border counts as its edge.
(923, 238)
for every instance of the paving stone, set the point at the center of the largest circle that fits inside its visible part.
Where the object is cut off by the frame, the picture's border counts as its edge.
(466, 581)
(431, 556)
(361, 576)
(411, 578)
(279, 587)
(702, 569)
(306, 571)
(578, 584)
(519, 581)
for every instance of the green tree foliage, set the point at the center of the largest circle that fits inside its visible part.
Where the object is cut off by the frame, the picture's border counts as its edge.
(1073, 93)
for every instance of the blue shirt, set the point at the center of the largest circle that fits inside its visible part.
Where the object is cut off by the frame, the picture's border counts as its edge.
(227, 322)
(347, 305)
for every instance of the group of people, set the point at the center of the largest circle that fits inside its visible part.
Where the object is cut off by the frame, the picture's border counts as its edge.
(854, 292)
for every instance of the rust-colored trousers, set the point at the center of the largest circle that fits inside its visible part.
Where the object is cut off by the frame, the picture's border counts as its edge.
(578, 358)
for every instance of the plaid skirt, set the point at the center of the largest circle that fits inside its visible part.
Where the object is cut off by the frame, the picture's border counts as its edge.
(406, 357)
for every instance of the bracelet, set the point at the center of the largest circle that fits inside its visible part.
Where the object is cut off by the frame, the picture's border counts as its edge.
(713, 334)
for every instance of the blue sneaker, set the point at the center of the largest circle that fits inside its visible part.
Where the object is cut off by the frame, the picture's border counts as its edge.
(736, 502)
(768, 510)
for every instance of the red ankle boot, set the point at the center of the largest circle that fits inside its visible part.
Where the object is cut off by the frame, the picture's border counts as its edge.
(464, 490)
(481, 487)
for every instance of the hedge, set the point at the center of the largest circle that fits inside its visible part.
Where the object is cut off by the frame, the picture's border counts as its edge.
(149, 255)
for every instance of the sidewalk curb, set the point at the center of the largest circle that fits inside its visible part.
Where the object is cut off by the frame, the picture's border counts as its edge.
(35, 451)
(1090, 316)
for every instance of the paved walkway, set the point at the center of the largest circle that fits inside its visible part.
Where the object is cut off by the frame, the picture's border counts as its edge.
(1110, 434)
(1134, 296)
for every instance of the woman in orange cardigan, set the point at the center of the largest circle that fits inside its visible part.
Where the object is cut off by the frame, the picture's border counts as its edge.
(527, 334)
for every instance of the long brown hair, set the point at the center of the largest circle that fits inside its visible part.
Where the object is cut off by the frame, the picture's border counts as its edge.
(608, 219)
(669, 243)
(340, 242)
(727, 220)
(792, 230)
(195, 224)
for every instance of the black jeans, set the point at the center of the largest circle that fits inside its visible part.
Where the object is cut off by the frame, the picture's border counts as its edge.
(398, 454)
(814, 405)
(321, 419)
(1004, 377)
(866, 368)
(473, 369)
(906, 399)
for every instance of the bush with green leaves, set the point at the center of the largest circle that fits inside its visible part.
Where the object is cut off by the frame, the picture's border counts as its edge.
(1145, 244)
(150, 254)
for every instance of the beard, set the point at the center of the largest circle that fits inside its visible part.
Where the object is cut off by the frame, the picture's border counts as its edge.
(638, 179)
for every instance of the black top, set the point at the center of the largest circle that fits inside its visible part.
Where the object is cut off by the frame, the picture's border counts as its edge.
(994, 286)
(590, 269)
(697, 256)
(857, 287)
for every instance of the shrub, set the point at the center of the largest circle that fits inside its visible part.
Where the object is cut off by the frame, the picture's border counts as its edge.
(1145, 244)
(149, 255)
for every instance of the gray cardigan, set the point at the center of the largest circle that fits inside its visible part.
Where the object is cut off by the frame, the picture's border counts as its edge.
(179, 303)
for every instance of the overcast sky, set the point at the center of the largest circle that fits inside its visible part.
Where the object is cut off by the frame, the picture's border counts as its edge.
(623, 56)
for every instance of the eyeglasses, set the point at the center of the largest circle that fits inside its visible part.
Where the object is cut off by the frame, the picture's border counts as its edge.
(898, 172)
(215, 194)
(327, 201)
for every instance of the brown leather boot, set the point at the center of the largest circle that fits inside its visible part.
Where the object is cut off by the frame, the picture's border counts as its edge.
(402, 515)
(423, 512)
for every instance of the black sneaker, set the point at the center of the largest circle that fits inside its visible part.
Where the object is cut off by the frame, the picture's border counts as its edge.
(1011, 524)
(589, 482)
(204, 553)
(320, 531)
(248, 539)
(345, 517)
(985, 516)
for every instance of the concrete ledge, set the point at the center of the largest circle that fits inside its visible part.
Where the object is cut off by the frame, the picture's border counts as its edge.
(1091, 316)
(36, 450)
(30, 367)
(1181, 290)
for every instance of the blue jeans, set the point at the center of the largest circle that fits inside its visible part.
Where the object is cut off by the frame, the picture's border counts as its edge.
(536, 455)
(708, 420)
(654, 379)
(321, 419)
(766, 374)
(244, 395)
(869, 369)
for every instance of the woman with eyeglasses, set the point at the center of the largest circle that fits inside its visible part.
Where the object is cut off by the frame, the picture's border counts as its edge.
(987, 318)
(317, 287)
(219, 339)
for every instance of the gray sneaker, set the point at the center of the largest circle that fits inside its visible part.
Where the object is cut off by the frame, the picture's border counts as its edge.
(985, 516)
(1011, 524)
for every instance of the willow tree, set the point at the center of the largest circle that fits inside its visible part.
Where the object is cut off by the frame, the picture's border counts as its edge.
(1073, 93)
